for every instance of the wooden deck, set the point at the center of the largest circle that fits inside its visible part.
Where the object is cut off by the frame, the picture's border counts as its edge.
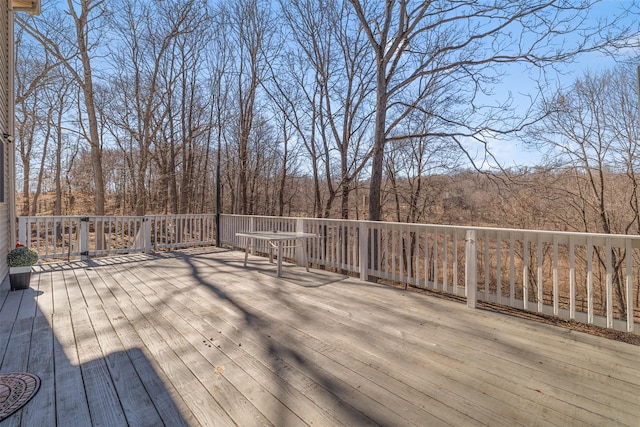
(193, 338)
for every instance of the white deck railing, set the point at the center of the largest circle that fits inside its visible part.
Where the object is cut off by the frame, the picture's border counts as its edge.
(77, 236)
(590, 278)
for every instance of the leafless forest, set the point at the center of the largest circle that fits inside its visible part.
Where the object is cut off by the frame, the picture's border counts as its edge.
(326, 108)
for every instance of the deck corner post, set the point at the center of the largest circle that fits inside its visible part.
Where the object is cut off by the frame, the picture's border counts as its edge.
(83, 238)
(22, 230)
(146, 223)
(362, 251)
(470, 268)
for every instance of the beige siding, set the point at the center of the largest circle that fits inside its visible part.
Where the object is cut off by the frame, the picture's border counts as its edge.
(5, 108)
(4, 72)
(4, 238)
(4, 69)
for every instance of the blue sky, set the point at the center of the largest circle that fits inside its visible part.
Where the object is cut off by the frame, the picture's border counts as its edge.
(521, 86)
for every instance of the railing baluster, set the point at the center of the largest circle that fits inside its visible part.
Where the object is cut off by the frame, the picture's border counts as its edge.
(589, 255)
(445, 263)
(455, 263)
(436, 285)
(572, 278)
(487, 268)
(556, 309)
(539, 275)
(46, 237)
(609, 282)
(629, 284)
(499, 268)
(525, 273)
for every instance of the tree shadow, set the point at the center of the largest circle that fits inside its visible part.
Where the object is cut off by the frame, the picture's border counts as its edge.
(267, 339)
(120, 388)
(285, 369)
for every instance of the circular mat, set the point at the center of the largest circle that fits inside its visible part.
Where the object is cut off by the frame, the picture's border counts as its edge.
(15, 391)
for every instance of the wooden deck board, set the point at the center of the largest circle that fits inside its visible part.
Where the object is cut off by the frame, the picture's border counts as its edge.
(11, 306)
(509, 364)
(71, 402)
(89, 293)
(410, 389)
(403, 380)
(44, 296)
(193, 338)
(168, 402)
(194, 349)
(59, 290)
(241, 352)
(200, 402)
(255, 354)
(320, 359)
(42, 412)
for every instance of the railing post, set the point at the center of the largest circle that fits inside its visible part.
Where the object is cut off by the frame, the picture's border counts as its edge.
(300, 229)
(22, 231)
(147, 231)
(470, 268)
(252, 227)
(83, 239)
(143, 239)
(363, 250)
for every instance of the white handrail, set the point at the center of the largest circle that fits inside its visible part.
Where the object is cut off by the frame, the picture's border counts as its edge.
(589, 278)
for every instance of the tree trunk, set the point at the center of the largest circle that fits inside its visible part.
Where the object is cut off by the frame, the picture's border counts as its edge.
(87, 91)
(36, 195)
(379, 140)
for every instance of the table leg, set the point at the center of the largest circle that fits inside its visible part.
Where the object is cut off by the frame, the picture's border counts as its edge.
(279, 259)
(246, 251)
(304, 255)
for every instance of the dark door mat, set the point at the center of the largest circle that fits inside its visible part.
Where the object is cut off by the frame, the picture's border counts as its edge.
(15, 391)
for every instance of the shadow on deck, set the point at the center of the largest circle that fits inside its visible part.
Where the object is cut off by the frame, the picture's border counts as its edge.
(193, 338)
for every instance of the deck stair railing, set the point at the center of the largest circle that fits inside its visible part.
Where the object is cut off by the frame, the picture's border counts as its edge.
(590, 278)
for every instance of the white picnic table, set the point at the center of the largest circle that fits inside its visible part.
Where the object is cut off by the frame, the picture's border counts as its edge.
(276, 239)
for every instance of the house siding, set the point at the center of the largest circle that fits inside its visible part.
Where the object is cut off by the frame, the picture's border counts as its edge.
(4, 70)
(6, 108)
(4, 239)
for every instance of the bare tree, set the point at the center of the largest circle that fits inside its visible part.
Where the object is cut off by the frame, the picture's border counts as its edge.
(251, 30)
(297, 99)
(331, 61)
(461, 43)
(59, 98)
(154, 89)
(36, 74)
(75, 54)
(592, 132)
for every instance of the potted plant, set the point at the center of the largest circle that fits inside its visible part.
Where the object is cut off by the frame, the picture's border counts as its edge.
(20, 261)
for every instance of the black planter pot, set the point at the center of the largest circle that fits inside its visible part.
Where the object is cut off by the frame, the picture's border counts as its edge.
(20, 280)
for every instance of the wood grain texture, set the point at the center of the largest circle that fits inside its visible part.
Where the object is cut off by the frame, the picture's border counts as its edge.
(71, 401)
(192, 338)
